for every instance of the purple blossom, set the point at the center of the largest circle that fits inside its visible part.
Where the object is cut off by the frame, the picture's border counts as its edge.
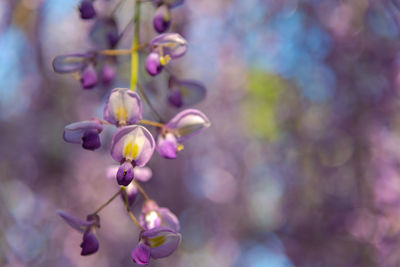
(153, 216)
(159, 242)
(164, 48)
(90, 243)
(169, 3)
(123, 107)
(133, 144)
(85, 133)
(185, 92)
(87, 10)
(162, 19)
(184, 125)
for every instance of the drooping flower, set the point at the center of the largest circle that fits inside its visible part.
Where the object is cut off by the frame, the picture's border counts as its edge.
(86, 9)
(162, 19)
(81, 64)
(153, 216)
(185, 92)
(123, 107)
(85, 133)
(90, 243)
(159, 242)
(131, 146)
(108, 72)
(164, 48)
(184, 125)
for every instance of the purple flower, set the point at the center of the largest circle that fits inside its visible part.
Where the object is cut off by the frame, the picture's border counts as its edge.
(142, 174)
(184, 125)
(133, 144)
(87, 10)
(123, 107)
(89, 244)
(153, 216)
(164, 48)
(162, 19)
(85, 133)
(159, 242)
(89, 77)
(104, 33)
(72, 63)
(185, 92)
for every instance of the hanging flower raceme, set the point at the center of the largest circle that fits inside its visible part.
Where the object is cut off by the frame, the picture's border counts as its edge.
(164, 48)
(131, 146)
(159, 242)
(185, 92)
(184, 125)
(85, 133)
(123, 107)
(153, 216)
(89, 244)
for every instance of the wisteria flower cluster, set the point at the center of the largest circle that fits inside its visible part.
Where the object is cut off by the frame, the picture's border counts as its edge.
(132, 144)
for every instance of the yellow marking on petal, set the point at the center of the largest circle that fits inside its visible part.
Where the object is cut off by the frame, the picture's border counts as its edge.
(165, 59)
(131, 151)
(122, 114)
(180, 147)
(157, 241)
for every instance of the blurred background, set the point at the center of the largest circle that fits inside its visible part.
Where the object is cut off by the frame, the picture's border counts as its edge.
(301, 164)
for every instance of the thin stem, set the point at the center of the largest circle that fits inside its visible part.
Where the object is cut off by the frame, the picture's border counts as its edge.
(135, 220)
(126, 198)
(116, 7)
(141, 91)
(117, 52)
(152, 123)
(140, 188)
(135, 44)
(108, 202)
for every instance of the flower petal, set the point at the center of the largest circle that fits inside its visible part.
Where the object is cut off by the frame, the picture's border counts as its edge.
(123, 107)
(162, 240)
(71, 63)
(153, 64)
(131, 191)
(83, 131)
(172, 44)
(89, 77)
(185, 92)
(90, 244)
(132, 143)
(187, 123)
(87, 10)
(74, 222)
(169, 219)
(125, 174)
(141, 254)
(167, 146)
(142, 174)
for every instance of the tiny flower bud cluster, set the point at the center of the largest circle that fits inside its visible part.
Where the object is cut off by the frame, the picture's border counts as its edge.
(133, 145)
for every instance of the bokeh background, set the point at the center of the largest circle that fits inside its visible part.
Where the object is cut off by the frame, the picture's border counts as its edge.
(301, 164)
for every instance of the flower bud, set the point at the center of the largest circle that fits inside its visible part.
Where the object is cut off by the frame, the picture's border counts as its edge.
(91, 139)
(89, 77)
(162, 19)
(90, 244)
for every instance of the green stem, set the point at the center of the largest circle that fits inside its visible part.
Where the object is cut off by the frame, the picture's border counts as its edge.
(135, 44)
(108, 202)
